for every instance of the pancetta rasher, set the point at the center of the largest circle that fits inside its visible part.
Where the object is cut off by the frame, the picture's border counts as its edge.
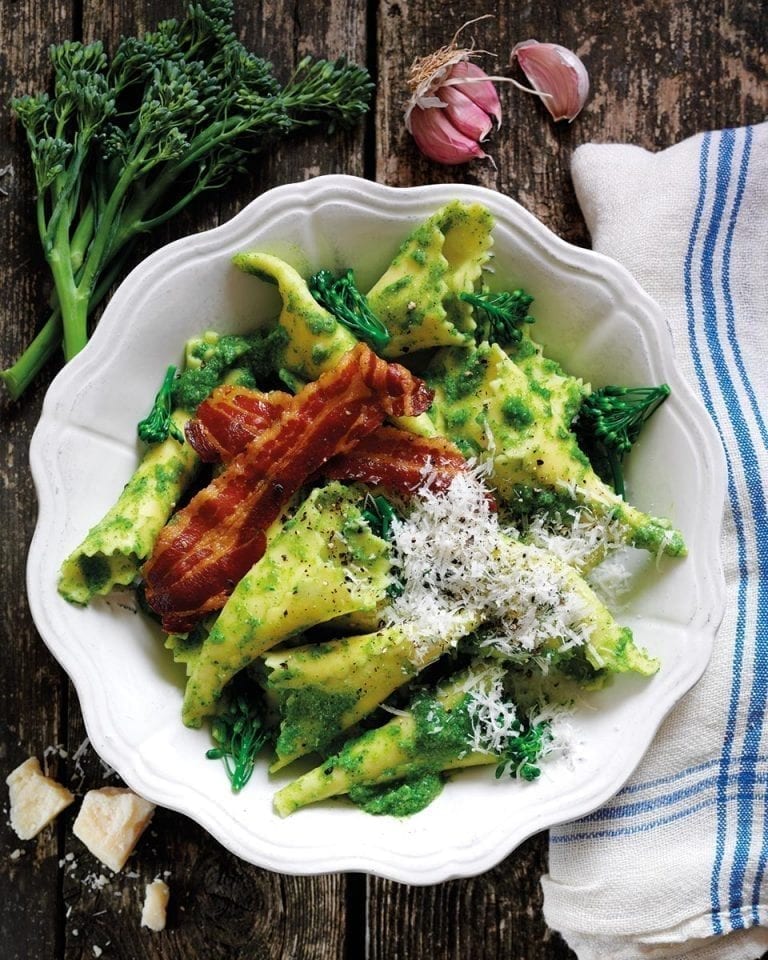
(389, 457)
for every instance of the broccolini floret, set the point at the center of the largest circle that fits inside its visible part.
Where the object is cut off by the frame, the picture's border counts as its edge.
(609, 422)
(239, 733)
(158, 425)
(499, 315)
(341, 298)
(524, 750)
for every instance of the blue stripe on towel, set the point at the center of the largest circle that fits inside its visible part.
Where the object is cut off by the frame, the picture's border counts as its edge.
(644, 826)
(753, 478)
(761, 655)
(655, 802)
(746, 460)
(706, 395)
(707, 398)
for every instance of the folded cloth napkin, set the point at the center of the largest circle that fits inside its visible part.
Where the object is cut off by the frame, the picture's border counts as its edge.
(676, 865)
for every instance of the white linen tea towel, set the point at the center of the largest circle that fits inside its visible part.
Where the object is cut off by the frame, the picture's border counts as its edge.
(676, 865)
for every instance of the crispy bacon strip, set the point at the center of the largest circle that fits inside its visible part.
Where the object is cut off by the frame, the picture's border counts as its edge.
(389, 457)
(230, 418)
(399, 461)
(211, 543)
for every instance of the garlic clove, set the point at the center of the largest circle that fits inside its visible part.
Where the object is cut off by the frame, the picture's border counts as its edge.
(557, 74)
(465, 114)
(480, 89)
(438, 139)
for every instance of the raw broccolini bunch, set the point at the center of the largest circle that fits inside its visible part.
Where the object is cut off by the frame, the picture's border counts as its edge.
(122, 145)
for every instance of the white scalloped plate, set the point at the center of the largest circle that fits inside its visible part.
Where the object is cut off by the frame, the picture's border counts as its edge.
(591, 315)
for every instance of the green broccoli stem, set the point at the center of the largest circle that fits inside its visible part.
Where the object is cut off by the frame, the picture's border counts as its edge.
(82, 237)
(20, 375)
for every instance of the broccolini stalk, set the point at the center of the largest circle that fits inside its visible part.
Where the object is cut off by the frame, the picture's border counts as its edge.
(124, 145)
(499, 315)
(609, 422)
(158, 425)
(342, 298)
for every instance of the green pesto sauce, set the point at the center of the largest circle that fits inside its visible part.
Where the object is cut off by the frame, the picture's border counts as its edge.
(254, 354)
(167, 475)
(311, 719)
(469, 448)
(535, 387)
(625, 640)
(318, 323)
(529, 500)
(574, 665)
(521, 350)
(466, 381)
(575, 450)
(95, 570)
(400, 799)
(651, 535)
(399, 285)
(320, 354)
(456, 418)
(440, 734)
(516, 412)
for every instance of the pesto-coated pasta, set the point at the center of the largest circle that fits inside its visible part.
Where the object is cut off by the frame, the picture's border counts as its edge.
(315, 340)
(418, 296)
(517, 410)
(414, 746)
(406, 628)
(324, 562)
(114, 550)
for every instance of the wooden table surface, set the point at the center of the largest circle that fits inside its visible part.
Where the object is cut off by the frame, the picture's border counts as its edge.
(660, 71)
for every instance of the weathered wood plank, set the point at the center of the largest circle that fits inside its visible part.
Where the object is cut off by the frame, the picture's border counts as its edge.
(30, 682)
(495, 916)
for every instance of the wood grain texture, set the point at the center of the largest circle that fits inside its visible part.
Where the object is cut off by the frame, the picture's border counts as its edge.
(31, 685)
(660, 71)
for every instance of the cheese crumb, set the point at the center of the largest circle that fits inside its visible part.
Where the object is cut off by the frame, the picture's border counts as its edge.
(35, 799)
(110, 822)
(153, 914)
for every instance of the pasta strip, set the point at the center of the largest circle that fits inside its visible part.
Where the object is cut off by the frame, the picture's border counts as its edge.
(209, 545)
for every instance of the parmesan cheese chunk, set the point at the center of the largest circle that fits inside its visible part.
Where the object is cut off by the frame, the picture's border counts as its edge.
(110, 822)
(35, 799)
(153, 913)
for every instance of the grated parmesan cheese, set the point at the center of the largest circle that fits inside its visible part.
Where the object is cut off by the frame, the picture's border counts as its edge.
(581, 538)
(460, 568)
(494, 718)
